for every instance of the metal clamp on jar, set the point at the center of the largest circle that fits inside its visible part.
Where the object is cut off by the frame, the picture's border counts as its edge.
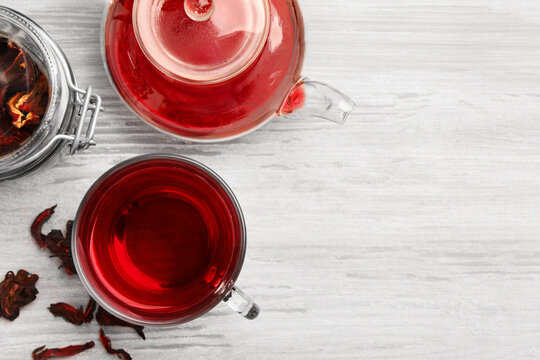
(71, 112)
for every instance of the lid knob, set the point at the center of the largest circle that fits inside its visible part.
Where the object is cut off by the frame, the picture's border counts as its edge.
(202, 41)
(199, 10)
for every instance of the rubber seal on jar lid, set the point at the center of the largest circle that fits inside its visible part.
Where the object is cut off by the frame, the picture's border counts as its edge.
(208, 49)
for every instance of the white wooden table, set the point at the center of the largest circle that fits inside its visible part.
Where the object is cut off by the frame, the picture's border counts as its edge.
(411, 233)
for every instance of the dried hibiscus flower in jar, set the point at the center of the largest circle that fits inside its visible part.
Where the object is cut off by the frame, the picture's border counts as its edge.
(24, 96)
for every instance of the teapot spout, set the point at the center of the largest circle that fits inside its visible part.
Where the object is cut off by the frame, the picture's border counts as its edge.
(313, 98)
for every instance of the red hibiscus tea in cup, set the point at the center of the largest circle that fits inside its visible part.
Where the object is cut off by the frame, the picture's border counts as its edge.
(159, 240)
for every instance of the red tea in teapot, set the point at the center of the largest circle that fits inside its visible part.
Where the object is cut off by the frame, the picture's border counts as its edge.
(209, 79)
(159, 238)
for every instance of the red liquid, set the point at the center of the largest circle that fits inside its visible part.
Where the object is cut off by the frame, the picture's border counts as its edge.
(160, 240)
(214, 111)
(199, 50)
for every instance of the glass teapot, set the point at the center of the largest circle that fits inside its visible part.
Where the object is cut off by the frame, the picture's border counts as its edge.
(213, 70)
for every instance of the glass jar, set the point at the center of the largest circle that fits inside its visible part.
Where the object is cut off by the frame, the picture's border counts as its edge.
(72, 112)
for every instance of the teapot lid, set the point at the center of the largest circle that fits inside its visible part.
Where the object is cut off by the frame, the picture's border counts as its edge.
(202, 41)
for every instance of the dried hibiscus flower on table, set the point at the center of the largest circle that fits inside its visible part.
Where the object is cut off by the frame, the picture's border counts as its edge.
(24, 96)
(55, 241)
(72, 314)
(17, 291)
(60, 246)
(106, 342)
(42, 352)
(79, 316)
(35, 229)
(106, 319)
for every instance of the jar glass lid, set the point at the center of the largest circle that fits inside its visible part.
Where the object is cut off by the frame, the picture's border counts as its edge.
(206, 41)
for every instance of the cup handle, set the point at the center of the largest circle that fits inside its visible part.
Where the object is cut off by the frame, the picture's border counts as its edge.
(242, 304)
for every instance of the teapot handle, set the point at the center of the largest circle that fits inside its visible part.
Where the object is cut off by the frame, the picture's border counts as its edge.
(314, 98)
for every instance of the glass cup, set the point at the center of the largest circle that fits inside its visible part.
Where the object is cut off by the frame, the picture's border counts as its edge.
(160, 240)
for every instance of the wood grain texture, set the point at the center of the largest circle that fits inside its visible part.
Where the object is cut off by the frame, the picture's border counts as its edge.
(411, 233)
